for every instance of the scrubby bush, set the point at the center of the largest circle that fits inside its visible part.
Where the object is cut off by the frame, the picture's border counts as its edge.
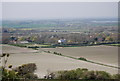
(82, 58)
(48, 51)
(83, 74)
(97, 75)
(9, 74)
(26, 70)
(57, 53)
(67, 74)
(103, 75)
(30, 76)
(116, 76)
(80, 72)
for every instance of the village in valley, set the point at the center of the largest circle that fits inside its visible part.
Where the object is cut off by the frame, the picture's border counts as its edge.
(59, 41)
(61, 33)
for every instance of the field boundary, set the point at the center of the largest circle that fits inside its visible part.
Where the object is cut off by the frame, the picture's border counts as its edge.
(55, 53)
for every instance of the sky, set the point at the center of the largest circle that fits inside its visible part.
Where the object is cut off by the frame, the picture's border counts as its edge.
(58, 10)
(59, 0)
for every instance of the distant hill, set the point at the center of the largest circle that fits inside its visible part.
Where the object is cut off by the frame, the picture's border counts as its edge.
(58, 23)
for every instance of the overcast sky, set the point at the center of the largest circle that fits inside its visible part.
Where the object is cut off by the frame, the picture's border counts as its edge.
(41, 10)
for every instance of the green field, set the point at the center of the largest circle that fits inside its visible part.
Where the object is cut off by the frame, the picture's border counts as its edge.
(114, 44)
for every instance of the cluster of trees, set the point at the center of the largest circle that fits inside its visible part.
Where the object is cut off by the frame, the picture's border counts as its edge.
(71, 38)
(74, 38)
(25, 71)
(60, 75)
(57, 53)
(85, 74)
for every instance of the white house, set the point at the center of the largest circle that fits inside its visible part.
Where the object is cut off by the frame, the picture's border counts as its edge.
(23, 42)
(62, 41)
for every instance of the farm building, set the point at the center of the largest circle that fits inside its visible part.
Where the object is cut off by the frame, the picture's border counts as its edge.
(23, 42)
(61, 41)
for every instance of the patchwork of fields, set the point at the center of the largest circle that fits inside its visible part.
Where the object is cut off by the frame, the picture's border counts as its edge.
(47, 62)
(102, 54)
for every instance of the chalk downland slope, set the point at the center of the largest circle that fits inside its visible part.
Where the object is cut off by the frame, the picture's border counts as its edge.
(47, 62)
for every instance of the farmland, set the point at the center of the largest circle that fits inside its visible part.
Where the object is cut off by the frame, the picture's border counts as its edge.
(102, 54)
(13, 49)
(47, 62)
(63, 41)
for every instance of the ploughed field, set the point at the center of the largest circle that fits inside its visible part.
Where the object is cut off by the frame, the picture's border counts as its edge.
(14, 49)
(47, 62)
(101, 54)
